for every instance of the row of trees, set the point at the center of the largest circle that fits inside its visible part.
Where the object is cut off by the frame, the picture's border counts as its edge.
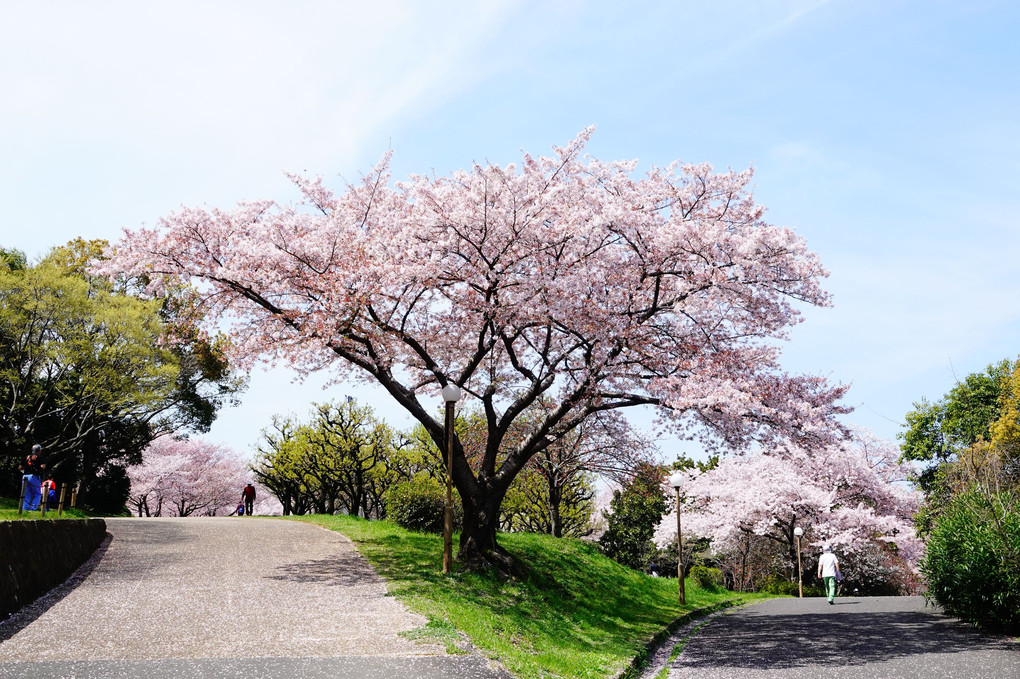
(191, 477)
(853, 495)
(343, 459)
(94, 370)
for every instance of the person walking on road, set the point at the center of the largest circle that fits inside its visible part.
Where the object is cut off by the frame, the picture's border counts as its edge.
(249, 499)
(828, 571)
(32, 469)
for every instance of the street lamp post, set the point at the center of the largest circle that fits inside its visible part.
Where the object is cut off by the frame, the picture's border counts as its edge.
(451, 394)
(798, 531)
(677, 480)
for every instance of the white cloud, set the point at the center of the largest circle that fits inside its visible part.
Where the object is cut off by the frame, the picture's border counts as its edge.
(305, 82)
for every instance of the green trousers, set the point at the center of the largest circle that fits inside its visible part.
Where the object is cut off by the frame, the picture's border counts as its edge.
(830, 587)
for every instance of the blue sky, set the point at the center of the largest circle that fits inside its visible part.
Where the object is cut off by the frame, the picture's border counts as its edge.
(887, 133)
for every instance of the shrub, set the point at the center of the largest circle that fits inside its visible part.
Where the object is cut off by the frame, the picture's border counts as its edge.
(706, 578)
(780, 586)
(971, 565)
(418, 505)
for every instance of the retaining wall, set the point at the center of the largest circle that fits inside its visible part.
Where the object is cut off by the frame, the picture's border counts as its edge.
(36, 556)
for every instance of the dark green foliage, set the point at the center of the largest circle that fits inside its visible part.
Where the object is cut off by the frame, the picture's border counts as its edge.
(685, 463)
(972, 566)
(636, 510)
(776, 584)
(707, 578)
(108, 492)
(12, 259)
(89, 371)
(419, 504)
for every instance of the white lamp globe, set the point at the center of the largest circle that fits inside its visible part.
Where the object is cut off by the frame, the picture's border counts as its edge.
(798, 531)
(451, 393)
(676, 479)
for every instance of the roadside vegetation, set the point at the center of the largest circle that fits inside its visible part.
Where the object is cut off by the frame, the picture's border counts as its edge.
(9, 512)
(575, 613)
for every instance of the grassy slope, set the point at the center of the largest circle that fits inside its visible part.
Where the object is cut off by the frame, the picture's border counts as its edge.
(9, 512)
(578, 614)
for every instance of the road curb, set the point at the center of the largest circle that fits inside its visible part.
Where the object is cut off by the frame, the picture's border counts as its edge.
(637, 665)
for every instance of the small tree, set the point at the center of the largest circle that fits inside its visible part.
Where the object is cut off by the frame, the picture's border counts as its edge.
(636, 510)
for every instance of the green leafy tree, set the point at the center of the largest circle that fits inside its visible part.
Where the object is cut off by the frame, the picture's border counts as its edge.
(971, 564)
(937, 432)
(93, 373)
(562, 508)
(336, 462)
(636, 510)
(279, 466)
(971, 517)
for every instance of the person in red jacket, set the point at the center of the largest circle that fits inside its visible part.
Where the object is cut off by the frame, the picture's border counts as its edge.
(248, 496)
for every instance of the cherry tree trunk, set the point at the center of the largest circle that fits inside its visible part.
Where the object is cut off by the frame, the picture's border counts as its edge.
(478, 546)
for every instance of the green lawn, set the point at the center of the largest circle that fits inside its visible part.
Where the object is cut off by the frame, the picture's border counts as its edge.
(577, 614)
(9, 512)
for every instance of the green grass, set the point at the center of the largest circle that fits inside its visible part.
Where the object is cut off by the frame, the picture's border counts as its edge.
(577, 613)
(9, 512)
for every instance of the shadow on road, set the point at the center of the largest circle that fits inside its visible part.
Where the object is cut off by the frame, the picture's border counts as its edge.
(31, 612)
(345, 570)
(834, 637)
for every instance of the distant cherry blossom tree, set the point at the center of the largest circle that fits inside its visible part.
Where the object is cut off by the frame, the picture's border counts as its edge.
(852, 496)
(182, 477)
(566, 280)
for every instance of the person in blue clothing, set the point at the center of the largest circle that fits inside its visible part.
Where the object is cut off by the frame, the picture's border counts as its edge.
(32, 470)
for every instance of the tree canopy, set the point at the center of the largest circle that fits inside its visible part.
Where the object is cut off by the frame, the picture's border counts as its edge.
(91, 372)
(564, 280)
(938, 432)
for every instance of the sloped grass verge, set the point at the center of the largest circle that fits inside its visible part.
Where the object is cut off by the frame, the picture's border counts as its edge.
(9, 512)
(576, 614)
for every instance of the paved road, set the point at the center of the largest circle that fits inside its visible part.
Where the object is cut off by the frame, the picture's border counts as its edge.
(872, 637)
(223, 597)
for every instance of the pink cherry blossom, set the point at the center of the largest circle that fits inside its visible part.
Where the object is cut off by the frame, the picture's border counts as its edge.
(850, 495)
(565, 279)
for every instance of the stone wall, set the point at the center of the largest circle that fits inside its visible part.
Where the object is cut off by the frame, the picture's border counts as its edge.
(36, 556)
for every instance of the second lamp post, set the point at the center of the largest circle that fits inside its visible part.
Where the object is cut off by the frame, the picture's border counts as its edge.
(677, 480)
(451, 394)
(797, 532)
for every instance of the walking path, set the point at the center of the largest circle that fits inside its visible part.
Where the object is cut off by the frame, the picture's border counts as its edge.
(857, 638)
(223, 597)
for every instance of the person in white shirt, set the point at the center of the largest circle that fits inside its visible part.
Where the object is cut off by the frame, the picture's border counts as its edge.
(828, 569)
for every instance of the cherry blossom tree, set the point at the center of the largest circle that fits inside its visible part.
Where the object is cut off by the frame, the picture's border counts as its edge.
(182, 477)
(565, 279)
(853, 496)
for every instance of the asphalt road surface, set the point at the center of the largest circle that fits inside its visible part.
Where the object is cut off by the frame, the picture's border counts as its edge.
(224, 597)
(872, 637)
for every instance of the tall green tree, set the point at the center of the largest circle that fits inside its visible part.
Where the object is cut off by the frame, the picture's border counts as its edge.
(971, 516)
(938, 432)
(92, 372)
